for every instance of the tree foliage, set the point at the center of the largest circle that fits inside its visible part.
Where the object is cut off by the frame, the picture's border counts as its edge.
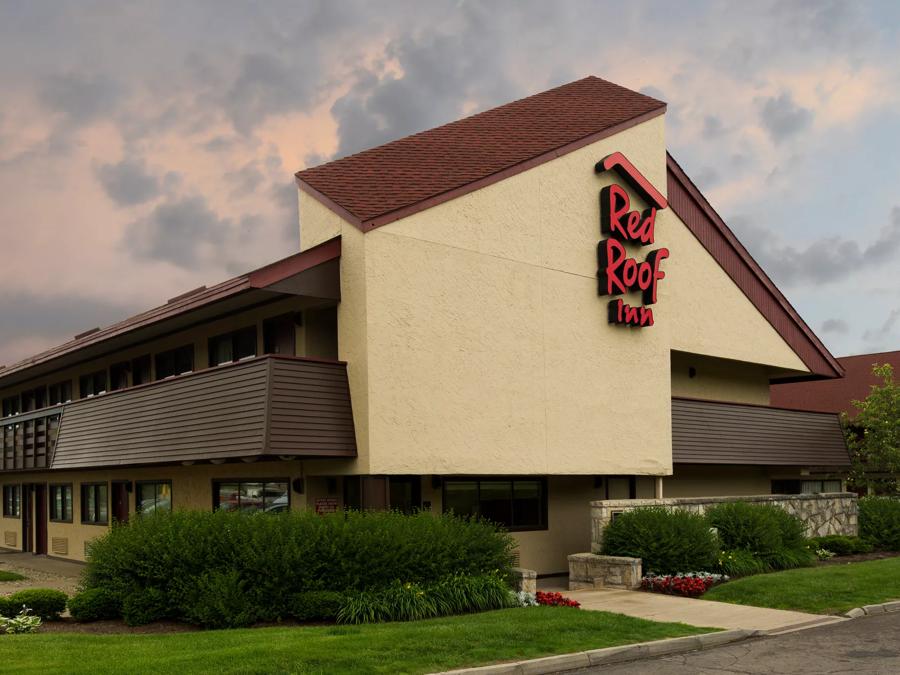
(873, 436)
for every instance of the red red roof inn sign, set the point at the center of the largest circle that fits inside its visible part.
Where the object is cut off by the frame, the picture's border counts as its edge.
(619, 272)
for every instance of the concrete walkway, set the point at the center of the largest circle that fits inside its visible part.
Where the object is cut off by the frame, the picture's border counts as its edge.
(705, 613)
(39, 572)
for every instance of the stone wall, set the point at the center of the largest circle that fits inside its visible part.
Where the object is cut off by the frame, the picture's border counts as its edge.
(834, 513)
(587, 570)
(524, 580)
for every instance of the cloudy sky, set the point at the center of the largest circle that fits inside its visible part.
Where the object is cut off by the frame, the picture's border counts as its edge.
(148, 148)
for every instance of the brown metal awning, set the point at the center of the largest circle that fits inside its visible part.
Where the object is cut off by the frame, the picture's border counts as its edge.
(267, 406)
(711, 432)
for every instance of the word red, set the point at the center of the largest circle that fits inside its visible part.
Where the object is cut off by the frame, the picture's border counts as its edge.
(620, 273)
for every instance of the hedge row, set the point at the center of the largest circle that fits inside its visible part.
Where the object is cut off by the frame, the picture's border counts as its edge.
(223, 568)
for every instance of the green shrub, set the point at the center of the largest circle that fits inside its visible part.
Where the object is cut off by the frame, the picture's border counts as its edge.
(46, 603)
(6, 575)
(841, 545)
(879, 522)
(95, 604)
(6, 608)
(170, 565)
(143, 606)
(316, 605)
(740, 563)
(766, 532)
(667, 541)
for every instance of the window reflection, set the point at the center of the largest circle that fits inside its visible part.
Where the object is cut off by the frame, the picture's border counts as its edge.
(248, 496)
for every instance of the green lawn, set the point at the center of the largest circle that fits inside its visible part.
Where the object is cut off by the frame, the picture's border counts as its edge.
(10, 576)
(829, 589)
(415, 647)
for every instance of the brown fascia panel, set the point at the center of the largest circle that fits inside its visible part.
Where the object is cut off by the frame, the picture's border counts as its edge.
(716, 237)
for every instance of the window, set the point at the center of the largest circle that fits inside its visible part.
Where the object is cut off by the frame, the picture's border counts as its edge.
(61, 392)
(153, 496)
(140, 370)
(272, 496)
(34, 399)
(12, 501)
(11, 406)
(95, 503)
(280, 334)
(230, 347)
(61, 503)
(118, 376)
(517, 504)
(175, 362)
(805, 487)
(93, 384)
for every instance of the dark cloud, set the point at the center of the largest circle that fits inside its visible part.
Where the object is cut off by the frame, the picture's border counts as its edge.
(838, 326)
(177, 231)
(712, 127)
(782, 118)
(80, 97)
(245, 181)
(55, 318)
(823, 260)
(881, 337)
(129, 182)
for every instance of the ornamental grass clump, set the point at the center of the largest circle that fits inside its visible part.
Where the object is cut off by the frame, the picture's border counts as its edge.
(222, 569)
(767, 533)
(667, 541)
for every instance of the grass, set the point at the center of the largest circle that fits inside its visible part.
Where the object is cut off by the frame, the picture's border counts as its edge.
(829, 589)
(415, 647)
(10, 576)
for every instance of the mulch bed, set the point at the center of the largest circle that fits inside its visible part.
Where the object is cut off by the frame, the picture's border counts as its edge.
(859, 557)
(67, 625)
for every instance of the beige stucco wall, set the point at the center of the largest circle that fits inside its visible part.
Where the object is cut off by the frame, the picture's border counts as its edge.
(717, 481)
(719, 379)
(486, 347)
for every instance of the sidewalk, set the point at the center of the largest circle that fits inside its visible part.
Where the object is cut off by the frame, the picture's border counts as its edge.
(694, 612)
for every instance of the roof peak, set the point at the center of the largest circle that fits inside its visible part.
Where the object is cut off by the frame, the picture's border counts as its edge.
(388, 182)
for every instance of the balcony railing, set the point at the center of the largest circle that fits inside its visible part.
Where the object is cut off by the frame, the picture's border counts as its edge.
(267, 406)
(28, 440)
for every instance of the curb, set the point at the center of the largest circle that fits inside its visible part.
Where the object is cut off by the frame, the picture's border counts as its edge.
(868, 610)
(609, 655)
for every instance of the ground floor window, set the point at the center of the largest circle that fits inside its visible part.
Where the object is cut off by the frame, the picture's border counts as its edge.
(95, 503)
(517, 503)
(154, 496)
(12, 501)
(61, 503)
(271, 496)
(804, 487)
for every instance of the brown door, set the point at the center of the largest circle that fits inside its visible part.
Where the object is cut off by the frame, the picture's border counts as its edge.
(27, 517)
(40, 519)
(120, 501)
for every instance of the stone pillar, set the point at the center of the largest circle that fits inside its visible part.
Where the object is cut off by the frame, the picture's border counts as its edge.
(524, 580)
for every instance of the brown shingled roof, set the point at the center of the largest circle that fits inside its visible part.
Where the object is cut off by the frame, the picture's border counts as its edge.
(389, 182)
(836, 395)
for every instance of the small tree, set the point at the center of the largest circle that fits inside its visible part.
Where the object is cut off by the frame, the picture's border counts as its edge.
(873, 436)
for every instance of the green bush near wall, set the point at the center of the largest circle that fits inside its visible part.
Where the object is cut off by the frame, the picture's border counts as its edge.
(879, 522)
(767, 533)
(667, 541)
(232, 569)
(47, 603)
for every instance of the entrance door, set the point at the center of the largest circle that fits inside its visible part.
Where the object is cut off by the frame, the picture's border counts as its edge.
(27, 517)
(40, 519)
(120, 501)
(405, 493)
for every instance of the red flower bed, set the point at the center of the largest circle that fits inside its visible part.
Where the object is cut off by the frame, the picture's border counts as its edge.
(555, 600)
(691, 586)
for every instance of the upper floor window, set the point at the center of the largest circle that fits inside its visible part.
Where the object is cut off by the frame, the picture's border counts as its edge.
(34, 399)
(230, 347)
(140, 370)
(118, 375)
(175, 362)
(12, 501)
(11, 406)
(61, 392)
(92, 384)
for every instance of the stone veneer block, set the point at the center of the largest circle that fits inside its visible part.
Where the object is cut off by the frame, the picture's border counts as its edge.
(589, 570)
(525, 580)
